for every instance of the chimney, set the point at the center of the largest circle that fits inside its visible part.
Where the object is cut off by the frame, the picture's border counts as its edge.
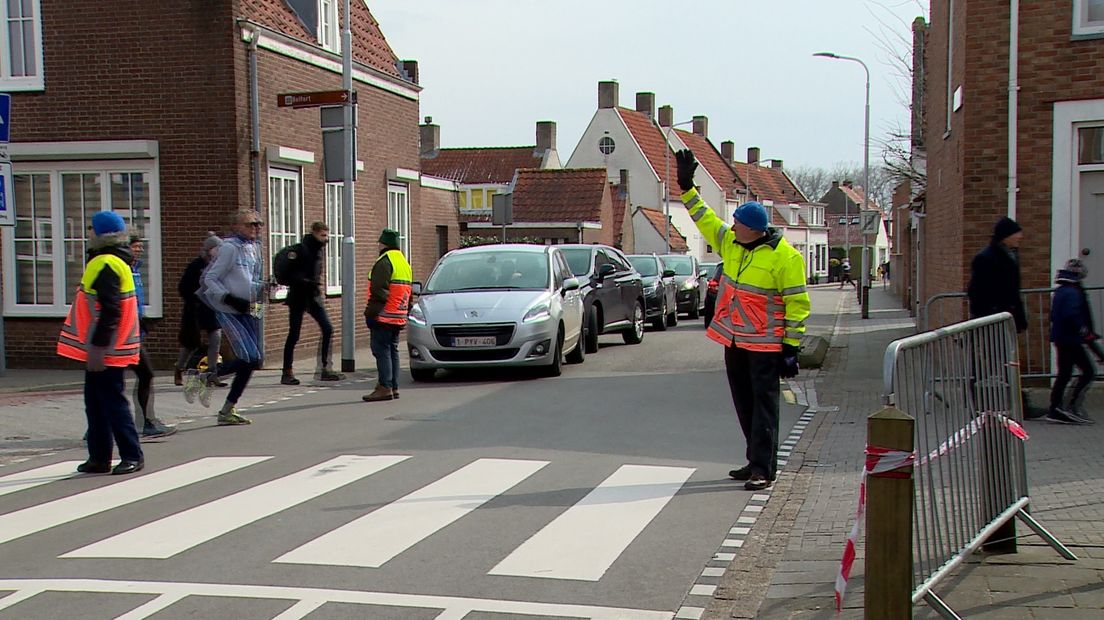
(607, 95)
(410, 68)
(728, 151)
(776, 164)
(623, 186)
(847, 183)
(701, 126)
(430, 138)
(666, 116)
(546, 136)
(753, 155)
(835, 184)
(645, 103)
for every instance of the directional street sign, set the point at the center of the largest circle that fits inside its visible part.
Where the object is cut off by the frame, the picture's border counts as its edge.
(5, 117)
(315, 99)
(870, 222)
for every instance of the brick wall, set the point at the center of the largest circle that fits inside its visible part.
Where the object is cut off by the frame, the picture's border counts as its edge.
(438, 208)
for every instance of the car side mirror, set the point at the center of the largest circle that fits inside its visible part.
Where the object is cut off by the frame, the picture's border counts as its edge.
(668, 273)
(571, 284)
(416, 288)
(703, 273)
(606, 271)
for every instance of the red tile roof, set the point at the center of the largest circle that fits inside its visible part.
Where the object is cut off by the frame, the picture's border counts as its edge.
(481, 165)
(571, 195)
(678, 242)
(619, 205)
(769, 183)
(856, 194)
(370, 47)
(711, 160)
(652, 143)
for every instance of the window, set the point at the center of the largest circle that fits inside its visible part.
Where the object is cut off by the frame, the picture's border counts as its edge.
(285, 213)
(328, 31)
(795, 218)
(606, 145)
(46, 250)
(21, 68)
(334, 196)
(1088, 17)
(398, 215)
(477, 200)
(1090, 145)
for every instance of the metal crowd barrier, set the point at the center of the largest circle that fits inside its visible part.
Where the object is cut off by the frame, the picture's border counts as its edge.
(961, 383)
(947, 308)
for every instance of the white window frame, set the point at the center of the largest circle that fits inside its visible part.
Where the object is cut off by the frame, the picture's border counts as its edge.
(21, 83)
(329, 26)
(334, 194)
(398, 215)
(1081, 24)
(55, 170)
(279, 240)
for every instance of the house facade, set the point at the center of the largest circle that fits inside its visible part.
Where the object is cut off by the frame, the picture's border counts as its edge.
(176, 127)
(845, 205)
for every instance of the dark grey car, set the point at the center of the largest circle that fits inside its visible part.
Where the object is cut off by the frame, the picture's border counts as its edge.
(660, 302)
(613, 293)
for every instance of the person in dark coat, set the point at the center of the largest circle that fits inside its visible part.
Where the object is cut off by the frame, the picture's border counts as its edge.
(1071, 328)
(197, 315)
(995, 275)
(305, 296)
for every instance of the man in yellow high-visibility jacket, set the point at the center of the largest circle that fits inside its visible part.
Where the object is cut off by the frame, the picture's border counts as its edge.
(760, 317)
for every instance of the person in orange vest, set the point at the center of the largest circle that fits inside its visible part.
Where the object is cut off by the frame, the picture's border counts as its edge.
(102, 331)
(389, 290)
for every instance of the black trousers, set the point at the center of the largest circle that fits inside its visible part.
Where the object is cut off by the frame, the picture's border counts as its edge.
(1070, 355)
(295, 325)
(109, 419)
(143, 391)
(753, 380)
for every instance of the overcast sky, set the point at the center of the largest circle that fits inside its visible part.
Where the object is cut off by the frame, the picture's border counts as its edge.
(492, 68)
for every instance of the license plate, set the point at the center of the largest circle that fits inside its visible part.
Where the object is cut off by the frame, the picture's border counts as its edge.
(475, 341)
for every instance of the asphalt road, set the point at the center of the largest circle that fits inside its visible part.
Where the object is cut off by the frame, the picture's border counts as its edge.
(602, 493)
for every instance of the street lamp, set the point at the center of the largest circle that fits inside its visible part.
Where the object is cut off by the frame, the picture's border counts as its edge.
(866, 184)
(666, 176)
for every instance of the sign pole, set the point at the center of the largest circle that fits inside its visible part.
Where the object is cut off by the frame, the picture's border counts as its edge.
(7, 205)
(348, 222)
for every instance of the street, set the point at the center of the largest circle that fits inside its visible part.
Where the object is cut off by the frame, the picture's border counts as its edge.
(602, 493)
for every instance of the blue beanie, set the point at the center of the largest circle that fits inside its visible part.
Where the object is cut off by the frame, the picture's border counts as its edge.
(751, 214)
(107, 222)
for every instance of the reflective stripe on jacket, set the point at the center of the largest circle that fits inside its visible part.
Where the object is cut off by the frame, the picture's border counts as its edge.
(761, 301)
(84, 314)
(399, 288)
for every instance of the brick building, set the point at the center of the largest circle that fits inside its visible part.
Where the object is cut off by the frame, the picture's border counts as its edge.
(156, 123)
(1058, 126)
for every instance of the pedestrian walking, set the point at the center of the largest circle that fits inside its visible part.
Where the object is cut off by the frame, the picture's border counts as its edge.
(764, 276)
(102, 331)
(304, 295)
(143, 387)
(235, 288)
(389, 290)
(197, 316)
(1071, 329)
(845, 270)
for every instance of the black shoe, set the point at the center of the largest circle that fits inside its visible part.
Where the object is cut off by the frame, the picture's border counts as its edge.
(154, 429)
(757, 482)
(744, 473)
(128, 467)
(329, 375)
(289, 379)
(92, 467)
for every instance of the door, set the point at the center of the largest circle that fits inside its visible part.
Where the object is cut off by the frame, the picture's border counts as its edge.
(1092, 234)
(608, 290)
(629, 284)
(572, 300)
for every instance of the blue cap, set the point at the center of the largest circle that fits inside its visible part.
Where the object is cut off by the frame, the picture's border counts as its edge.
(107, 222)
(751, 214)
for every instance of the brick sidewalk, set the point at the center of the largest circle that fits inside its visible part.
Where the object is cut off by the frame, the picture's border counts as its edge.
(789, 563)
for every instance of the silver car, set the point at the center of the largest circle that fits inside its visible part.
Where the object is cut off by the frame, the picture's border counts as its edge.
(497, 305)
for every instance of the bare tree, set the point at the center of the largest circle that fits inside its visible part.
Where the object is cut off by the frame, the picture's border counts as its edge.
(815, 181)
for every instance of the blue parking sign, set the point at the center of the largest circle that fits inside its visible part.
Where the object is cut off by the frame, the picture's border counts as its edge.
(5, 117)
(7, 199)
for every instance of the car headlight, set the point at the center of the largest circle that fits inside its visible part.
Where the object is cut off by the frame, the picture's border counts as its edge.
(539, 312)
(651, 288)
(417, 315)
(689, 285)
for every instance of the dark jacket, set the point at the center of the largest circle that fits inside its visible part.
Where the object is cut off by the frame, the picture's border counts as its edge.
(995, 285)
(1070, 316)
(306, 272)
(379, 291)
(107, 285)
(196, 313)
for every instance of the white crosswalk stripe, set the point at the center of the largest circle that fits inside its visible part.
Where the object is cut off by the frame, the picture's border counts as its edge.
(38, 476)
(169, 536)
(375, 538)
(51, 514)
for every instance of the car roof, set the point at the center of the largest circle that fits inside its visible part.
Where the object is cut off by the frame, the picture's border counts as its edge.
(504, 247)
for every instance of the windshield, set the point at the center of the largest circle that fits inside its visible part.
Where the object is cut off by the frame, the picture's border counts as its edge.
(489, 270)
(682, 265)
(645, 265)
(578, 259)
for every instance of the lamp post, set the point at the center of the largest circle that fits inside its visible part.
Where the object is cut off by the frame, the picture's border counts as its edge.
(666, 176)
(866, 183)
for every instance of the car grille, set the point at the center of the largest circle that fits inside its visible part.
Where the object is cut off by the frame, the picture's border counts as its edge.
(502, 333)
(685, 295)
(474, 355)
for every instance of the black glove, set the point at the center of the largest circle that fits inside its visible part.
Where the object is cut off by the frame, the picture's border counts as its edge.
(239, 305)
(686, 167)
(787, 364)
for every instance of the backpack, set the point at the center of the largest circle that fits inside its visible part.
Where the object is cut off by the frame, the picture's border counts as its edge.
(283, 264)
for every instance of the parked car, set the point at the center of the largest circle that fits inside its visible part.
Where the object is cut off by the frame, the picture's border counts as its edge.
(711, 293)
(660, 304)
(690, 283)
(497, 305)
(613, 293)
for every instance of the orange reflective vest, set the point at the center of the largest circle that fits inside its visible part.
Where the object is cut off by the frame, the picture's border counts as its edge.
(398, 300)
(84, 315)
(761, 301)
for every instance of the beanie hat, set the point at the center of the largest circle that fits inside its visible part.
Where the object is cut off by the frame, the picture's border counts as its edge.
(1005, 228)
(212, 241)
(107, 223)
(1073, 272)
(751, 214)
(389, 237)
